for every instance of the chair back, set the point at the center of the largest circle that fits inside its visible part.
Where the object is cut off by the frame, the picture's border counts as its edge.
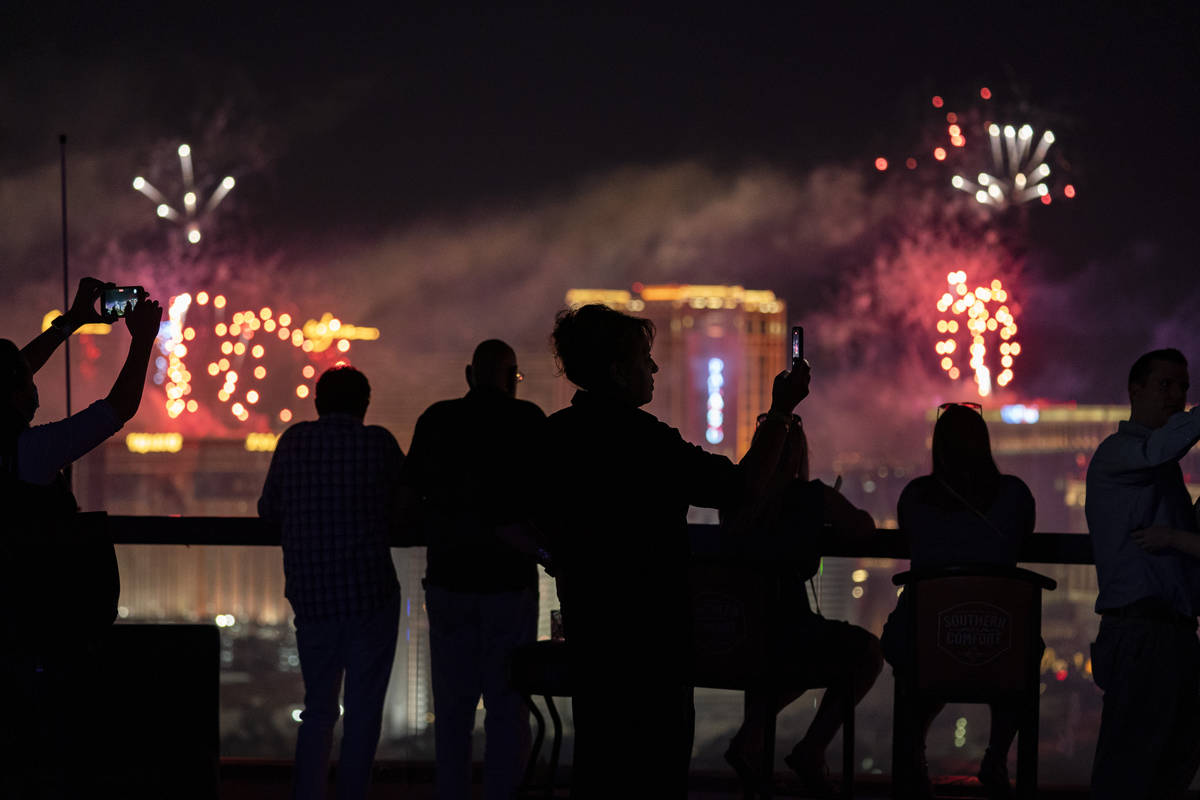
(976, 631)
(732, 606)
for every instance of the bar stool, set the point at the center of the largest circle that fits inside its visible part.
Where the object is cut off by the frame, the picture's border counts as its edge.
(541, 669)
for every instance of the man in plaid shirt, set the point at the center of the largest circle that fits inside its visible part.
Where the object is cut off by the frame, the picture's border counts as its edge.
(331, 489)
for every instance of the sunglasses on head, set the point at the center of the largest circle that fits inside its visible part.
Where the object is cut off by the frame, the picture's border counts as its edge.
(976, 407)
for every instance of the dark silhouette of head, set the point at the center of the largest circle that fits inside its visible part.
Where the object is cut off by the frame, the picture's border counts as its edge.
(962, 456)
(493, 366)
(1158, 385)
(343, 390)
(604, 351)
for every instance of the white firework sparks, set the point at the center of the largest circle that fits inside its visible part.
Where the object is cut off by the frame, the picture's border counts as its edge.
(1019, 169)
(192, 214)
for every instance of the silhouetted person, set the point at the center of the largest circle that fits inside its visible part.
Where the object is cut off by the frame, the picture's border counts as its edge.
(964, 512)
(332, 490)
(1146, 657)
(779, 528)
(469, 464)
(619, 483)
(59, 585)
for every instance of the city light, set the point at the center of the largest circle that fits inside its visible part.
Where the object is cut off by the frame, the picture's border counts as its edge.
(1018, 414)
(261, 442)
(154, 442)
(91, 329)
(322, 333)
(715, 416)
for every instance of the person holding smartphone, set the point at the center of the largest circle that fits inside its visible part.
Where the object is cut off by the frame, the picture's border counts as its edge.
(617, 483)
(36, 454)
(63, 580)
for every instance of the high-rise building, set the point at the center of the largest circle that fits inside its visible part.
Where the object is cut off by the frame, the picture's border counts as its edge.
(718, 349)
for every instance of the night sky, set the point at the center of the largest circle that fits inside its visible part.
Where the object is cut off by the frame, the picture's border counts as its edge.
(437, 157)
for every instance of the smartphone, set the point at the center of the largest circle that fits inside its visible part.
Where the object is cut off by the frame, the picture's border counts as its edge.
(117, 301)
(797, 345)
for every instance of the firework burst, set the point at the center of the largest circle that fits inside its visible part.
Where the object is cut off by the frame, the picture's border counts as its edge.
(192, 214)
(987, 313)
(1015, 169)
(1018, 172)
(259, 362)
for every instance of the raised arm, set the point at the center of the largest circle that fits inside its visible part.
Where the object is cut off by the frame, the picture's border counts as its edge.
(142, 321)
(1126, 458)
(82, 312)
(758, 465)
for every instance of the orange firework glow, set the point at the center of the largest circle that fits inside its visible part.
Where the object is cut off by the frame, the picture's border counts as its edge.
(988, 314)
(223, 343)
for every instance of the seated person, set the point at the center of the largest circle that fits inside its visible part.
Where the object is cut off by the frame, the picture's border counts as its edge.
(964, 512)
(779, 525)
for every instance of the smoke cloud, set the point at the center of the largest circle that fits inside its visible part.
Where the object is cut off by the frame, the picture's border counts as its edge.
(860, 259)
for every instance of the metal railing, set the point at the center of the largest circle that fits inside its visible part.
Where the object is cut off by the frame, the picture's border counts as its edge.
(1040, 548)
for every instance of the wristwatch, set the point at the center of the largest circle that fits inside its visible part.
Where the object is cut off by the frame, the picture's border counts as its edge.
(62, 325)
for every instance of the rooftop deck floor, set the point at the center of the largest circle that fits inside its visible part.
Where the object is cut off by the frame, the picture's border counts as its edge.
(254, 779)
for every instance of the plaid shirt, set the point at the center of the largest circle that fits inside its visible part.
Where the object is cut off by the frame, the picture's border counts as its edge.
(332, 490)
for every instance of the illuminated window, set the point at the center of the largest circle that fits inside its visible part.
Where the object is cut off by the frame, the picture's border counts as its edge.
(715, 416)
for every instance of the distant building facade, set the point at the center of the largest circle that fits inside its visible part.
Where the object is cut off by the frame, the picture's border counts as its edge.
(718, 349)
